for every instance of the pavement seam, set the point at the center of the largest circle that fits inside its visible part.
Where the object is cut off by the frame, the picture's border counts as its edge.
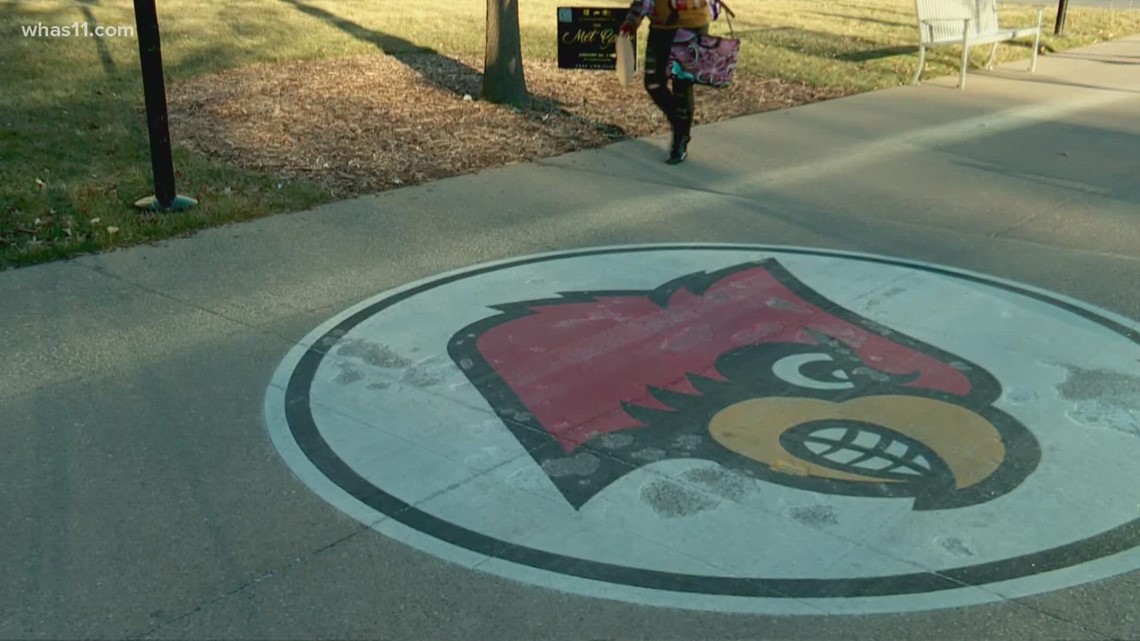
(766, 209)
(1053, 615)
(209, 602)
(260, 330)
(6, 397)
(1002, 599)
(102, 272)
(1001, 234)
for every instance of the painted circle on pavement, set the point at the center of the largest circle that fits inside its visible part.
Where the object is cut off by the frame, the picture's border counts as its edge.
(730, 428)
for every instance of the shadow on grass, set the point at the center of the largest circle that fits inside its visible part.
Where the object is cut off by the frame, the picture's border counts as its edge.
(877, 54)
(444, 72)
(892, 9)
(745, 32)
(842, 48)
(885, 23)
(852, 55)
(100, 43)
(206, 59)
(819, 44)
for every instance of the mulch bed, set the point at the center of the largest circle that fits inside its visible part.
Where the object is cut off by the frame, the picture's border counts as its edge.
(377, 122)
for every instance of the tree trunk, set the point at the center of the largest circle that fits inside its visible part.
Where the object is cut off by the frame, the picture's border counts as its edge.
(503, 79)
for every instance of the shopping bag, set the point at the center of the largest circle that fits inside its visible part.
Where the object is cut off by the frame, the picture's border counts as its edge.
(626, 59)
(704, 60)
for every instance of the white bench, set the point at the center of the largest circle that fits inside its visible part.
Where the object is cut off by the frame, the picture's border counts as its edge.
(967, 23)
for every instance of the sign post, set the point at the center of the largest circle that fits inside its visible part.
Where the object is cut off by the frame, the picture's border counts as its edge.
(587, 37)
(154, 90)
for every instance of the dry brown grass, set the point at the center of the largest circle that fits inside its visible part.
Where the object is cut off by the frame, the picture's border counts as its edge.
(369, 123)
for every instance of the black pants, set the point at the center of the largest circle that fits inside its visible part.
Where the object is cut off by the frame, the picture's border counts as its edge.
(677, 105)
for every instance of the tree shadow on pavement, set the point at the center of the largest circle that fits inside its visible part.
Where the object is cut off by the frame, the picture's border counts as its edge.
(1093, 56)
(1092, 161)
(1108, 60)
(1024, 77)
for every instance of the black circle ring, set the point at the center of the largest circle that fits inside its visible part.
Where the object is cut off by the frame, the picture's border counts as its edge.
(312, 443)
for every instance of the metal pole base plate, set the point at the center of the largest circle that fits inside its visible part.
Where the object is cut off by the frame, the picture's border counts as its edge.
(180, 203)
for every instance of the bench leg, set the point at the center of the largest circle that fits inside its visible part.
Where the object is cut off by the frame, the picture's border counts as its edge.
(993, 57)
(921, 64)
(965, 52)
(1036, 41)
(965, 62)
(1036, 47)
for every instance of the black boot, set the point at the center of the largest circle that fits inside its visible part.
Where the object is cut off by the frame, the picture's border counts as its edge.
(679, 150)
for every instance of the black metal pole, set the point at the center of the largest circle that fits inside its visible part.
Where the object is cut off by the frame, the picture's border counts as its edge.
(1062, 11)
(154, 92)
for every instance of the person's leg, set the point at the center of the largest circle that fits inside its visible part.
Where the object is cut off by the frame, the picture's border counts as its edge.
(683, 125)
(684, 102)
(657, 47)
(684, 99)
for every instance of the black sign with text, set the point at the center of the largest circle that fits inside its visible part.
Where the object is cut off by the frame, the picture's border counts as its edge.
(586, 37)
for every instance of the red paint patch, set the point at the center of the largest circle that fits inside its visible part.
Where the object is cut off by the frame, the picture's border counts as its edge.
(573, 364)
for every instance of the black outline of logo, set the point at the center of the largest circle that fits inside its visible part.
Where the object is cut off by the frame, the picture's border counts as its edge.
(308, 437)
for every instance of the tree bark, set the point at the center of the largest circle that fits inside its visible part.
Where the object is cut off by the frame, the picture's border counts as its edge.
(1062, 12)
(503, 78)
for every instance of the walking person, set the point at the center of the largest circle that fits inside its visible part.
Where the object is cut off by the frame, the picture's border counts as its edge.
(665, 18)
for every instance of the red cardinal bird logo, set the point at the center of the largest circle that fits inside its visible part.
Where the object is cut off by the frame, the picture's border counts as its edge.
(749, 368)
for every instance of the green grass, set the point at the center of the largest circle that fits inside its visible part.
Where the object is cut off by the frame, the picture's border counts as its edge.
(74, 153)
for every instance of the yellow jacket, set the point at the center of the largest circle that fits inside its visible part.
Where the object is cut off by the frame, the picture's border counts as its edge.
(692, 14)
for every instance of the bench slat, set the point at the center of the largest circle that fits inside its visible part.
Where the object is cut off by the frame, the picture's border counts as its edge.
(947, 16)
(988, 38)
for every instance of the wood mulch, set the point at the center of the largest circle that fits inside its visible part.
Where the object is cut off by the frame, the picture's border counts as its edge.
(376, 122)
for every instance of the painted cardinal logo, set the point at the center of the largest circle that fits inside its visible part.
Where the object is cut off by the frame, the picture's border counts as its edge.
(749, 368)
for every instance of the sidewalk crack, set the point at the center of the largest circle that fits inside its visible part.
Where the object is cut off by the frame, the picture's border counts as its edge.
(103, 272)
(209, 602)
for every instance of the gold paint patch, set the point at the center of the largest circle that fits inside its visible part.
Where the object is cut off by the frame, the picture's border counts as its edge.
(968, 443)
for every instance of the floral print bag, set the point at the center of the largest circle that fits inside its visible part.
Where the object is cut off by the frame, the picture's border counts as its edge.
(705, 60)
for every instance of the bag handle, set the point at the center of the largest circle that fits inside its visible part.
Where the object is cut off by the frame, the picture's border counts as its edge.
(729, 14)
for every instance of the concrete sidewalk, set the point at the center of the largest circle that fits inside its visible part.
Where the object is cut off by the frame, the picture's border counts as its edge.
(144, 498)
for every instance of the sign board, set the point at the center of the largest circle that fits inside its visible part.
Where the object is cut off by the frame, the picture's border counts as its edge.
(586, 37)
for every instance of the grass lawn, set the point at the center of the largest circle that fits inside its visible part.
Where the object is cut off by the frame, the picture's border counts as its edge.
(74, 153)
